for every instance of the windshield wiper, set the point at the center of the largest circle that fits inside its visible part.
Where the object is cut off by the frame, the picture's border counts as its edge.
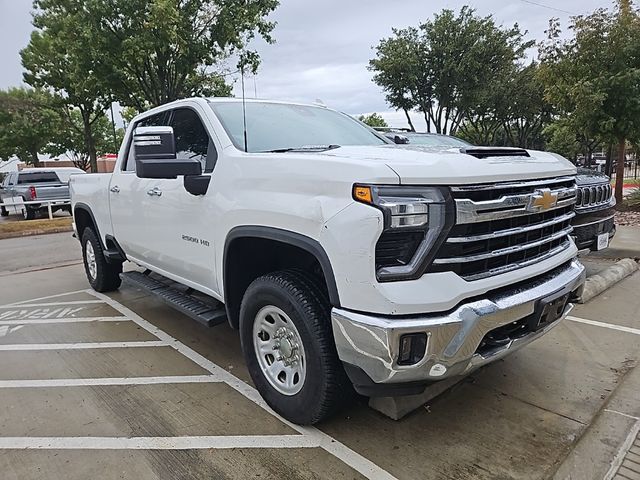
(304, 148)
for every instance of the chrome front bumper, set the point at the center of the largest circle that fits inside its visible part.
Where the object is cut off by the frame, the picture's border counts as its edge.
(371, 342)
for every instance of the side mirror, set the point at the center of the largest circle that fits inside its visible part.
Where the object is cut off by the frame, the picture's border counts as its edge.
(155, 154)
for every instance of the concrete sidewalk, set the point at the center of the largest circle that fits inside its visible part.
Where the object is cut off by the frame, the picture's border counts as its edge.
(626, 244)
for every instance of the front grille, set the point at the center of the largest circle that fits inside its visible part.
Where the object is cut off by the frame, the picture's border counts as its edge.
(590, 196)
(498, 228)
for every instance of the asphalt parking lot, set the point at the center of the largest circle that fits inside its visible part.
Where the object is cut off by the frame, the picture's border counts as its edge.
(122, 386)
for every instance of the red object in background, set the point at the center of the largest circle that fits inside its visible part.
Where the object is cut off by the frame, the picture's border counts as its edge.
(32, 191)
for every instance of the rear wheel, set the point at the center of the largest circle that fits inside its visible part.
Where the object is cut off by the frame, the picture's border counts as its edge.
(28, 213)
(103, 276)
(289, 349)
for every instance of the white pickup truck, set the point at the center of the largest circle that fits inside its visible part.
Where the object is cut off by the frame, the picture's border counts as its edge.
(344, 260)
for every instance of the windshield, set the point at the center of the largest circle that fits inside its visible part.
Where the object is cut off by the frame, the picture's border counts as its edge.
(432, 140)
(37, 177)
(277, 126)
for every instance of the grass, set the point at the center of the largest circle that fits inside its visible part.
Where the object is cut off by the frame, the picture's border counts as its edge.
(21, 228)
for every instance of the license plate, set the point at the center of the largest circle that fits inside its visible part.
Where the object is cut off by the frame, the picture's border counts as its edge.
(548, 311)
(603, 241)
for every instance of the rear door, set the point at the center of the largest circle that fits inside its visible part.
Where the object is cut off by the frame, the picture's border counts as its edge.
(8, 195)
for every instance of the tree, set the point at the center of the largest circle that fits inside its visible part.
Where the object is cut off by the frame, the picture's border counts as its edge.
(28, 124)
(70, 139)
(595, 76)
(445, 66)
(560, 138)
(373, 120)
(61, 57)
(154, 52)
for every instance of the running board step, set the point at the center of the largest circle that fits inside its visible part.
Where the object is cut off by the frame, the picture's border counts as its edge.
(193, 307)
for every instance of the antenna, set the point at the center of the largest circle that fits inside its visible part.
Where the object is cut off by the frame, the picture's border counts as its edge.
(244, 110)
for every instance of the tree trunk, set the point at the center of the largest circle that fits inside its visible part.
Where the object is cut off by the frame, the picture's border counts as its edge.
(609, 161)
(89, 142)
(406, 112)
(620, 169)
(34, 158)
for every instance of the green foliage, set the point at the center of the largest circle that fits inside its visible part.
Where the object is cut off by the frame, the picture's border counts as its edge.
(154, 52)
(633, 199)
(561, 139)
(70, 139)
(594, 77)
(29, 124)
(448, 67)
(373, 120)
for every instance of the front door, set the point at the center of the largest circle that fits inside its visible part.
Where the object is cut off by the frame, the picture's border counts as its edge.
(166, 227)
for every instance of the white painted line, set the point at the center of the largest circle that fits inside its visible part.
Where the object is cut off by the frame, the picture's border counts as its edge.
(80, 346)
(611, 326)
(158, 443)
(76, 292)
(54, 304)
(352, 458)
(88, 382)
(623, 414)
(626, 446)
(64, 320)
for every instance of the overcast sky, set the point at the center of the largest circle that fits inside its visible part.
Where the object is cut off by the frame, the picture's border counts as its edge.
(323, 46)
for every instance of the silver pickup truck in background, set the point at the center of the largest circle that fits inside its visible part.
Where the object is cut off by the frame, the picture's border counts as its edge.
(32, 185)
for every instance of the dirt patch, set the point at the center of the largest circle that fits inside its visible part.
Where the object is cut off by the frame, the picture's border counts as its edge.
(24, 228)
(628, 218)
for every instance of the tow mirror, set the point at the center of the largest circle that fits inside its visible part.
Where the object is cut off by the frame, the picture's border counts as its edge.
(155, 154)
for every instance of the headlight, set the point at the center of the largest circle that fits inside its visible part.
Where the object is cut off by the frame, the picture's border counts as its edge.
(416, 222)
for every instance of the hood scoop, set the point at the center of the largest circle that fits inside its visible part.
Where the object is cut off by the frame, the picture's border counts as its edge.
(488, 152)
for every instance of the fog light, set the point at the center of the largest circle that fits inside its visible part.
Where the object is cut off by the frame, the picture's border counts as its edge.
(412, 348)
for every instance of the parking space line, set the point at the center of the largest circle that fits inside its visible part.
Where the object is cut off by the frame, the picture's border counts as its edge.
(66, 294)
(81, 345)
(54, 304)
(159, 443)
(350, 457)
(626, 446)
(64, 320)
(88, 382)
(611, 326)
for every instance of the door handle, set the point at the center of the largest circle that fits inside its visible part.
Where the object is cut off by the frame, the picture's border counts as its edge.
(115, 189)
(154, 191)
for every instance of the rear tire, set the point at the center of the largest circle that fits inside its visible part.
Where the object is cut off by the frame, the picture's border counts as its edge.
(28, 213)
(103, 276)
(287, 341)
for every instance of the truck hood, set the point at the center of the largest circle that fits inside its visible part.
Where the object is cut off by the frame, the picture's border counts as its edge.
(427, 165)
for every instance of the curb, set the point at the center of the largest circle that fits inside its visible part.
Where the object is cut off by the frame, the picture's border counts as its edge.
(604, 280)
(28, 233)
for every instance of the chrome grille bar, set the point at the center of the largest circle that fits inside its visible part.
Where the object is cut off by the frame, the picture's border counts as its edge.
(507, 206)
(514, 266)
(506, 251)
(512, 231)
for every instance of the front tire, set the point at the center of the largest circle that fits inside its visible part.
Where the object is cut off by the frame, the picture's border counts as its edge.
(103, 276)
(285, 331)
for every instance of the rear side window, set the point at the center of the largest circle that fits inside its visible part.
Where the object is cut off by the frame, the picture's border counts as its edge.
(37, 177)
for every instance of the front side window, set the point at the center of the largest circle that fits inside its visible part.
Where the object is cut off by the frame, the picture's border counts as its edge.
(158, 120)
(192, 140)
(276, 126)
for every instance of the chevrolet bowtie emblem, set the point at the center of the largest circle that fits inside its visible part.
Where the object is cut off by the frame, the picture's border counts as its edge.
(542, 200)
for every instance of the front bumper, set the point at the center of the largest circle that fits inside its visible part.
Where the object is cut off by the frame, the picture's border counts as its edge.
(587, 227)
(370, 343)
